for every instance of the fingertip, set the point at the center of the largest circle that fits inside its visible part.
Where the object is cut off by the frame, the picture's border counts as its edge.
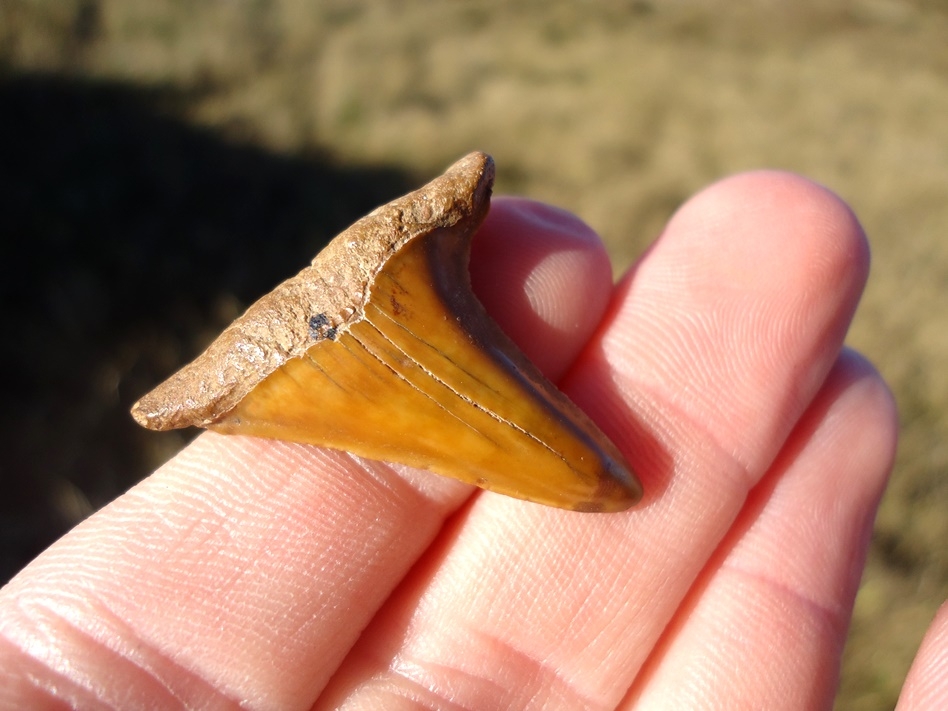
(768, 212)
(544, 276)
(926, 686)
(874, 414)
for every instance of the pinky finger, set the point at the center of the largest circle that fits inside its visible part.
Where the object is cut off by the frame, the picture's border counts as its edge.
(927, 684)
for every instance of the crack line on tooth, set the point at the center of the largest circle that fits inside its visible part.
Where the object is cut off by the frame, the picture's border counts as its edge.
(411, 384)
(472, 403)
(322, 371)
(379, 311)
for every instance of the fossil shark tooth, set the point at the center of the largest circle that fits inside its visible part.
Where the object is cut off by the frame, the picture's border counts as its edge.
(380, 348)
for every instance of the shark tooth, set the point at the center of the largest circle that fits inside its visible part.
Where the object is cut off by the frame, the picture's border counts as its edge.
(380, 348)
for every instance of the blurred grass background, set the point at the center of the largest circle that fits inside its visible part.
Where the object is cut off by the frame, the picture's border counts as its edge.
(165, 162)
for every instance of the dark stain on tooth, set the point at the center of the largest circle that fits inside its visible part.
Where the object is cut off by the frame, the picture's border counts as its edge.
(397, 308)
(319, 328)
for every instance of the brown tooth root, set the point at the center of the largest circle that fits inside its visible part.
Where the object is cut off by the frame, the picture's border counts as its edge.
(380, 348)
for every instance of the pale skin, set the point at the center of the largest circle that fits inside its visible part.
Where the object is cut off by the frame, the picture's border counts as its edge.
(280, 576)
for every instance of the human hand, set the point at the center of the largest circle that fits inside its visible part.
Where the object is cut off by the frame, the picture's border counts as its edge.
(274, 575)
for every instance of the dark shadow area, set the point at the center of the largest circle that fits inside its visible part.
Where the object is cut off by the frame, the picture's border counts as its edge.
(129, 239)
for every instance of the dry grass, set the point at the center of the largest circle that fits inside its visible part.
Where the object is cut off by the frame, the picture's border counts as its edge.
(617, 111)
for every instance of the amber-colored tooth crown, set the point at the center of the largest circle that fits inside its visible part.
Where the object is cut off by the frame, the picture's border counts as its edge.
(381, 348)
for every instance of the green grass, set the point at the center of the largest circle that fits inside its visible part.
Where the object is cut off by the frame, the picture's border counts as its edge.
(617, 111)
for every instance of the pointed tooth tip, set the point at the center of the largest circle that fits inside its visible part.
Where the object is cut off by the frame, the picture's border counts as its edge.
(619, 490)
(152, 414)
(147, 418)
(625, 494)
(140, 415)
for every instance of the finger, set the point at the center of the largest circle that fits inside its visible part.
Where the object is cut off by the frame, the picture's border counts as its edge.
(712, 350)
(553, 291)
(764, 625)
(244, 569)
(926, 686)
